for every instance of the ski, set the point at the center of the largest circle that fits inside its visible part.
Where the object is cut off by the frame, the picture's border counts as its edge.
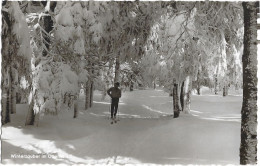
(114, 121)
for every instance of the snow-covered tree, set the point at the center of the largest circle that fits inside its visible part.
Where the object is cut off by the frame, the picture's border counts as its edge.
(218, 30)
(65, 56)
(126, 33)
(189, 34)
(46, 71)
(179, 53)
(16, 55)
(150, 68)
(70, 40)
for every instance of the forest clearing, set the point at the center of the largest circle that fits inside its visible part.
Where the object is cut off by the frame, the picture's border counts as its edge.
(145, 134)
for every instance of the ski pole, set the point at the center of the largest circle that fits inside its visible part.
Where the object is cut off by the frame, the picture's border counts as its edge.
(109, 113)
(118, 110)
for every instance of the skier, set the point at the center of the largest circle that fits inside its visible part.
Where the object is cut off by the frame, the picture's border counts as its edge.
(115, 94)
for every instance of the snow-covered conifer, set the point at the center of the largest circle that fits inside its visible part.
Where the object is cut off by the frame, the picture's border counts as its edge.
(16, 54)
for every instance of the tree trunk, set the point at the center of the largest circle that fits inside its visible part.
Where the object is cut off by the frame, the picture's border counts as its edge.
(18, 98)
(176, 101)
(117, 70)
(47, 24)
(18, 93)
(248, 146)
(198, 89)
(32, 115)
(5, 113)
(3, 107)
(131, 83)
(91, 94)
(182, 95)
(9, 52)
(216, 85)
(13, 90)
(6, 56)
(198, 82)
(187, 94)
(87, 95)
(30, 119)
(9, 92)
(75, 108)
(8, 107)
(225, 90)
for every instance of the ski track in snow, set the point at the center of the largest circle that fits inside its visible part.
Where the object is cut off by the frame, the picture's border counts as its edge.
(145, 134)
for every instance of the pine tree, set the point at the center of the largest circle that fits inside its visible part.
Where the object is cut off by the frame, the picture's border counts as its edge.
(15, 46)
(38, 101)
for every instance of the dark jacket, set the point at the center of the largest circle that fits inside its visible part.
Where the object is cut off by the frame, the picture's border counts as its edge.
(114, 92)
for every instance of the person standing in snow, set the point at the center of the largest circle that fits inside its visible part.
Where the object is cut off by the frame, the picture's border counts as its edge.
(115, 94)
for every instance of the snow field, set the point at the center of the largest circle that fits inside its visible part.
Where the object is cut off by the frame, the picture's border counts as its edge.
(145, 135)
